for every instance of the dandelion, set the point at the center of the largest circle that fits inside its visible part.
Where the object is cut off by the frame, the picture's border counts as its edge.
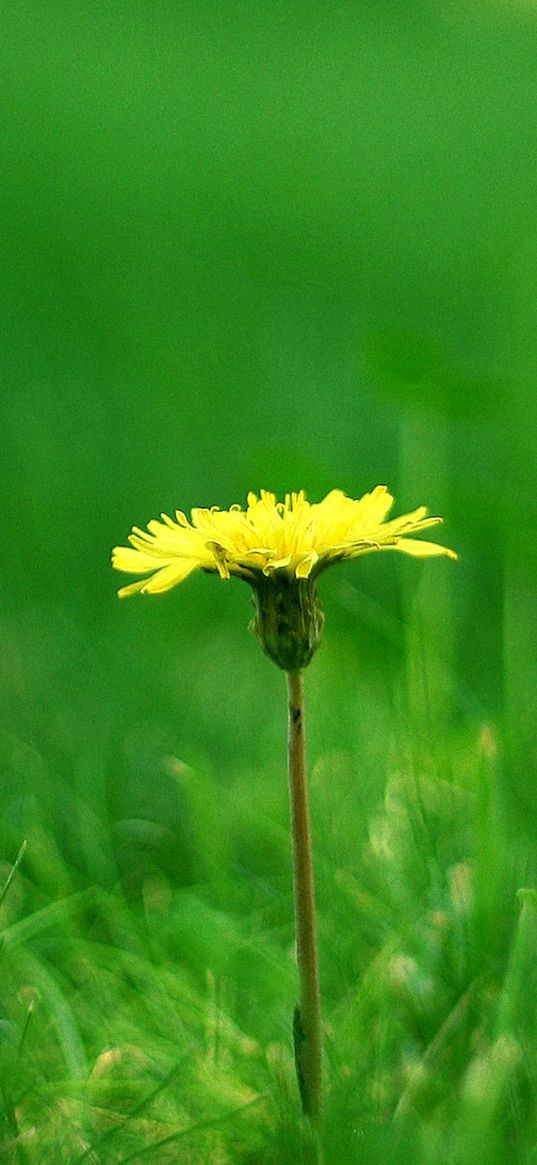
(281, 549)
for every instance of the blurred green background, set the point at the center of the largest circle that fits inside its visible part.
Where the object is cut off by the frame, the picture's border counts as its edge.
(254, 245)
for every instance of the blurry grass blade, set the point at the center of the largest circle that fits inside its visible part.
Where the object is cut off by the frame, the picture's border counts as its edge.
(13, 871)
(520, 983)
(136, 1111)
(33, 970)
(199, 1126)
(49, 916)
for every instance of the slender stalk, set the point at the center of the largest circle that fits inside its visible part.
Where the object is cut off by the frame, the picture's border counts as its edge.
(307, 1018)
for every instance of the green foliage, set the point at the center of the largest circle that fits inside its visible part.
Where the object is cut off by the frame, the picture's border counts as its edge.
(283, 246)
(148, 995)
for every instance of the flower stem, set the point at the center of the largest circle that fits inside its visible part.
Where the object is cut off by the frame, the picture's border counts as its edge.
(307, 1018)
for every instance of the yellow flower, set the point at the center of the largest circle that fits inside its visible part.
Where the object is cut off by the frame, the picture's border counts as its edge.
(280, 548)
(291, 538)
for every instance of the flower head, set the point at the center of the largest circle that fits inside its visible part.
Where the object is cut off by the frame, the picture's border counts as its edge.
(270, 537)
(280, 548)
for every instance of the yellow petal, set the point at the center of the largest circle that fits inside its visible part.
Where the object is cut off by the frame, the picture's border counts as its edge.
(169, 576)
(133, 561)
(305, 567)
(418, 549)
(132, 589)
(276, 564)
(373, 507)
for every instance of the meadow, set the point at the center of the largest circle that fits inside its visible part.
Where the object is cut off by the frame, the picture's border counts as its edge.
(258, 246)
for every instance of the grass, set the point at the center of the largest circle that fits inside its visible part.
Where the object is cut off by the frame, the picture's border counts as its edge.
(147, 936)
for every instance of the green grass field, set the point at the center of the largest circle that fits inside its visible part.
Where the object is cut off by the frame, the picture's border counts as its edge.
(279, 246)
